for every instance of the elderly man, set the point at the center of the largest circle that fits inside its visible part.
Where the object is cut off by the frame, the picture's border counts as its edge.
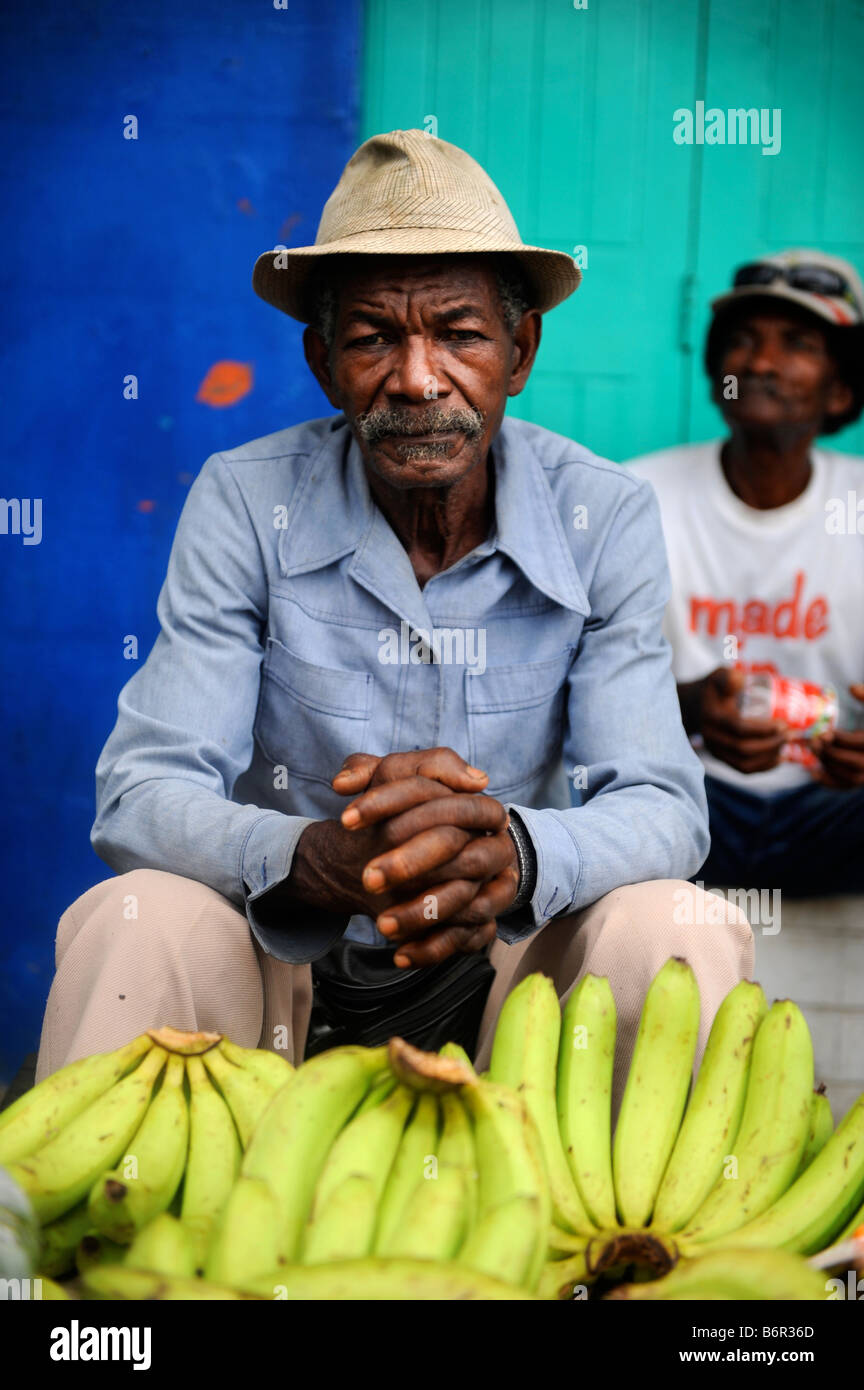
(393, 641)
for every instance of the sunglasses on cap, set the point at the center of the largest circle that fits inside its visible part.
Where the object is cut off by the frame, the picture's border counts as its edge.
(813, 279)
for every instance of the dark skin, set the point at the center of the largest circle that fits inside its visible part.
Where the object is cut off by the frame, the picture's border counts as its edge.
(419, 841)
(787, 387)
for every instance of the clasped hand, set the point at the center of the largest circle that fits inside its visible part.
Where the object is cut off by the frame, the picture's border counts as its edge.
(420, 848)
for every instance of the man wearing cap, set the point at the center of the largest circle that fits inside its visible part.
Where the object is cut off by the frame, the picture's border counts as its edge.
(765, 537)
(398, 646)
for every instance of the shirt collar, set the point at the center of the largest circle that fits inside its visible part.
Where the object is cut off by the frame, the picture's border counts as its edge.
(332, 514)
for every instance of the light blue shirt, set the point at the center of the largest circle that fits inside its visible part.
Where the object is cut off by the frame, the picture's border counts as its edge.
(294, 632)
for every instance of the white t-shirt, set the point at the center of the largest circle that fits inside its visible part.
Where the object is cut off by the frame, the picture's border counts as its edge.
(787, 582)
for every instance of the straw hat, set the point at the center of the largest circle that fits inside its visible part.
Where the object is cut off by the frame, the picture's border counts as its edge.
(409, 193)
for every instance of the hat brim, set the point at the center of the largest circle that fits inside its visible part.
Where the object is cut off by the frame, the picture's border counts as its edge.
(281, 278)
(830, 309)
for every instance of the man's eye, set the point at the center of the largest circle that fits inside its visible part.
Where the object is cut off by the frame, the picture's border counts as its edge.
(462, 335)
(368, 340)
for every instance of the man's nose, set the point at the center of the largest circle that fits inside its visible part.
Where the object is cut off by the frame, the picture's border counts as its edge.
(763, 357)
(414, 375)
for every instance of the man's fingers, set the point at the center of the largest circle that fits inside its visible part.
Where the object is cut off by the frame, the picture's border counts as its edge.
(744, 761)
(495, 896)
(481, 859)
(493, 899)
(420, 914)
(390, 798)
(745, 747)
(853, 739)
(479, 814)
(728, 680)
(447, 942)
(842, 762)
(355, 773)
(735, 725)
(440, 764)
(411, 860)
(447, 766)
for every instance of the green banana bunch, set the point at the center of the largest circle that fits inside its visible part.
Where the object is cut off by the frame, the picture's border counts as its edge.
(213, 1159)
(503, 1244)
(563, 1243)
(272, 1070)
(773, 1127)
(509, 1162)
(41, 1113)
(51, 1292)
(854, 1225)
(419, 1143)
(371, 1280)
(60, 1239)
(366, 1148)
(97, 1250)
(344, 1225)
(584, 1094)
(388, 1281)
(525, 1057)
(455, 1146)
(457, 1053)
(820, 1130)
(455, 1149)
(294, 1137)
(814, 1210)
(119, 1283)
(710, 1125)
(379, 1092)
(733, 1274)
(120, 1205)
(162, 1247)
(64, 1169)
(246, 1236)
(656, 1091)
(247, 1092)
(560, 1277)
(19, 1233)
(436, 1220)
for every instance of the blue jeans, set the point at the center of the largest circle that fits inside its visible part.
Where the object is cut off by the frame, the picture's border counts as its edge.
(807, 841)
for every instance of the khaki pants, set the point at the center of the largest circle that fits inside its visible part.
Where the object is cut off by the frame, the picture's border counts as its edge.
(148, 948)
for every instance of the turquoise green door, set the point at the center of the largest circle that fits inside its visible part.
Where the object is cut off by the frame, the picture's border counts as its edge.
(571, 112)
(804, 58)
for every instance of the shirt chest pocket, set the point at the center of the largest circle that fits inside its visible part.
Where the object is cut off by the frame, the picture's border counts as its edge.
(310, 717)
(516, 719)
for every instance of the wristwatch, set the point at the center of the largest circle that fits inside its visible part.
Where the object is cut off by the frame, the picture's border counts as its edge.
(527, 860)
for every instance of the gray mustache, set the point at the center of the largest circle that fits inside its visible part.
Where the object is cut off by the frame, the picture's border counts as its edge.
(374, 425)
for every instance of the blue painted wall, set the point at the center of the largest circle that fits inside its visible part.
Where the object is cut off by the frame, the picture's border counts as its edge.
(131, 257)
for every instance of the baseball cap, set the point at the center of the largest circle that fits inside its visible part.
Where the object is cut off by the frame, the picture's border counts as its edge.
(826, 285)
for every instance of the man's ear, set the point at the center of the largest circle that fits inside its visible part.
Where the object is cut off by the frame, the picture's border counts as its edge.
(526, 341)
(838, 398)
(317, 355)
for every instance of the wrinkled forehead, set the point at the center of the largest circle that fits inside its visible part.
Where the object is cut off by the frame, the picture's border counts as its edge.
(444, 276)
